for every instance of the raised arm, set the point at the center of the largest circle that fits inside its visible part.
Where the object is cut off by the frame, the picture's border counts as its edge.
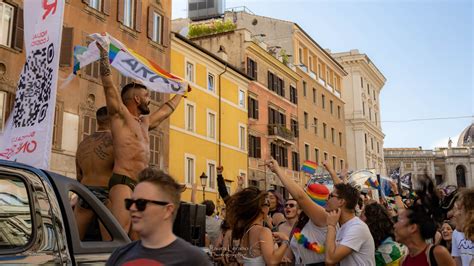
(316, 213)
(335, 179)
(221, 184)
(164, 111)
(112, 95)
(398, 198)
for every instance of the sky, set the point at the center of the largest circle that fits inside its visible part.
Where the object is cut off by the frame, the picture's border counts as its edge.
(424, 48)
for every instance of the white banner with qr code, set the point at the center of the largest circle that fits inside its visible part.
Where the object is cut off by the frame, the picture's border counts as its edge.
(28, 134)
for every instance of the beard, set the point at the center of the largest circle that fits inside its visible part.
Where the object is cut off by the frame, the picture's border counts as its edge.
(144, 109)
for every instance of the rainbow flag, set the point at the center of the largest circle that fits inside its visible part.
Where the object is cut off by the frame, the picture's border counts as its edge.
(130, 64)
(309, 167)
(372, 183)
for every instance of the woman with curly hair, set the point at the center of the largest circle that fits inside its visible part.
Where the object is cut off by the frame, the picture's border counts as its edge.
(463, 236)
(277, 208)
(417, 224)
(387, 251)
(246, 211)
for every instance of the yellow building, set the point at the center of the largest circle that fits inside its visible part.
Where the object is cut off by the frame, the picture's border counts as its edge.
(209, 127)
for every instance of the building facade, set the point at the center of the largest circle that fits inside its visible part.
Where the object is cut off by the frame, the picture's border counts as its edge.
(447, 165)
(209, 127)
(364, 136)
(142, 25)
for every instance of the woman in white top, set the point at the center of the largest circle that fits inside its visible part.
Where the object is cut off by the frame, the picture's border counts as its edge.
(246, 211)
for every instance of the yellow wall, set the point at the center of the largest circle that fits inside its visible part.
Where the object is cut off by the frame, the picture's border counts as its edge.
(197, 143)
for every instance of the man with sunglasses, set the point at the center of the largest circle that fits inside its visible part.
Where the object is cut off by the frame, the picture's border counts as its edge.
(292, 212)
(153, 208)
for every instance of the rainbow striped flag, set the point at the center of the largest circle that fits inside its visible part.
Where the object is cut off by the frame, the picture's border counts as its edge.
(130, 64)
(309, 167)
(372, 183)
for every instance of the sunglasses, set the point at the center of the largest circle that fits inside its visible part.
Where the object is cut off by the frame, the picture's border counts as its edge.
(331, 195)
(140, 204)
(290, 205)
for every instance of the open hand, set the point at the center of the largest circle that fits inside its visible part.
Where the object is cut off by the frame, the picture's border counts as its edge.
(272, 164)
(333, 217)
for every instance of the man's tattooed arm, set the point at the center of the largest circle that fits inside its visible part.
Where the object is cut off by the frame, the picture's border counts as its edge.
(104, 63)
(112, 94)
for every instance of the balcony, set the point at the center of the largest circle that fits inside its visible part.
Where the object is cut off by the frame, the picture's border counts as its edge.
(312, 75)
(281, 133)
(322, 82)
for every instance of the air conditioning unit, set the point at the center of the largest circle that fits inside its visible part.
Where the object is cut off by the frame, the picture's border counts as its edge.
(205, 9)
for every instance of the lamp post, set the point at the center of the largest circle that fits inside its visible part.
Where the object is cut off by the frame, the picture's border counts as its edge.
(203, 178)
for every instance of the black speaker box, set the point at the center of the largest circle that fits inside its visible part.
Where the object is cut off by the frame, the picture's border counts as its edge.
(190, 223)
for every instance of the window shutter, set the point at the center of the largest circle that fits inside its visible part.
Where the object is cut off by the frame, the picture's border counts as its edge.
(106, 7)
(66, 46)
(257, 148)
(150, 22)
(282, 88)
(270, 80)
(138, 16)
(256, 109)
(120, 11)
(166, 31)
(255, 70)
(248, 67)
(18, 42)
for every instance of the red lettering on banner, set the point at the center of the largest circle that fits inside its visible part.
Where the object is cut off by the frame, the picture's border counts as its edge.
(49, 7)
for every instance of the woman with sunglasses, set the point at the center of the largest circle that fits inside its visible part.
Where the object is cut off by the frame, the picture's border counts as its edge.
(246, 211)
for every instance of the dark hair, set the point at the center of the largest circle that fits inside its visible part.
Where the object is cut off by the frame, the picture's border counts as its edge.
(466, 201)
(243, 208)
(303, 219)
(129, 87)
(426, 211)
(280, 207)
(379, 222)
(210, 207)
(349, 193)
(165, 182)
(102, 115)
(443, 242)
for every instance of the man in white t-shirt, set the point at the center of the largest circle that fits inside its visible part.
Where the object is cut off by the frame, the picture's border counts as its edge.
(352, 244)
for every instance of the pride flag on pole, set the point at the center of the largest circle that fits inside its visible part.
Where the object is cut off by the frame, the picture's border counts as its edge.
(372, 183)
(309, 167)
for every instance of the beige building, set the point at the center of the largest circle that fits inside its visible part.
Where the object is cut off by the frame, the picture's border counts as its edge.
(447, 165)
(362, 86)
(142, 25)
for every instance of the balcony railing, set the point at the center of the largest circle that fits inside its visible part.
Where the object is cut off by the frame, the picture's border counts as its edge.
(281, 131)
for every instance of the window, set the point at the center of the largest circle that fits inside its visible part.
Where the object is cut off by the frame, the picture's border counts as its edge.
(306, 152)
(190, 71)
(6, 24)
(365, 136)
(338, 112)
(16, 222)
(363, 108)
(305, 120)
(88, 126)
(333, 136)
(314, 95)
(340, 139)
(211, 174)
(376, 119)
(211, 125)
(341, 163)
(310, 63)
(129, 13)
(242, 98)
(300, 55)
(275, 117)
(327, 75)
(320, 75)
(372, 143)
(95, 4)
(293, 95)
(276, 84)
(325, 156)
(316, 155)
(155, 148)
(210, 82)
(190, 169)
(378, 147)
(190, 115)
(373, 93)
(252, 108)
(280, 154)
(323, 101)
(295, 161)
(368, 89)
(324, 130)
(361, 82)
(254, 147)
(334, 162)
(331, 106)
(315, 125)
(304, 88)
(251, 68)
(157, 28)
(294, 128)
(370, 114)
(242, 137)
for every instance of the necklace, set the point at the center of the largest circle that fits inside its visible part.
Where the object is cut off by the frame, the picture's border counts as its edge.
(303, 240)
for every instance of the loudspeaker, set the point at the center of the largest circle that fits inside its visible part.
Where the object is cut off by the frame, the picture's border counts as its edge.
(190, 223)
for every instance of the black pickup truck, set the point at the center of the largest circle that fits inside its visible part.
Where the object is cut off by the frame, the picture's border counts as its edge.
(37, 224)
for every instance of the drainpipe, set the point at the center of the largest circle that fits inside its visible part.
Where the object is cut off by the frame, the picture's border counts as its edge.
(220, 114)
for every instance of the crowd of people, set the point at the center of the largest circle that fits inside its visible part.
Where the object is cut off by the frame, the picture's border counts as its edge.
(312, 226)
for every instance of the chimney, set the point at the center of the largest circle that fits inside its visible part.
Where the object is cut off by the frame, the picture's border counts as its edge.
(222, 53)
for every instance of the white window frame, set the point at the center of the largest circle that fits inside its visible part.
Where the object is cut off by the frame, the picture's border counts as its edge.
(193, 77)
(213, 87)
(188, 103)
(129, 13)
(96, 4)
(187, 178)
(211, 133)
(241, 101)
(9, 37)
(3, 109)
(208, 164)
(242, 140)
(157, 27)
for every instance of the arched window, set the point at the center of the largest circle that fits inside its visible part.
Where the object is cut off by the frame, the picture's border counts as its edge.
(461, 176)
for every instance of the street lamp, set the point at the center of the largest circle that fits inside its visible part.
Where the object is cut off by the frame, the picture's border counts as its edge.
(203, 178)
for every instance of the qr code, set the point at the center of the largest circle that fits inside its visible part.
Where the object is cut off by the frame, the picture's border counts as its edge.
(34, 88)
